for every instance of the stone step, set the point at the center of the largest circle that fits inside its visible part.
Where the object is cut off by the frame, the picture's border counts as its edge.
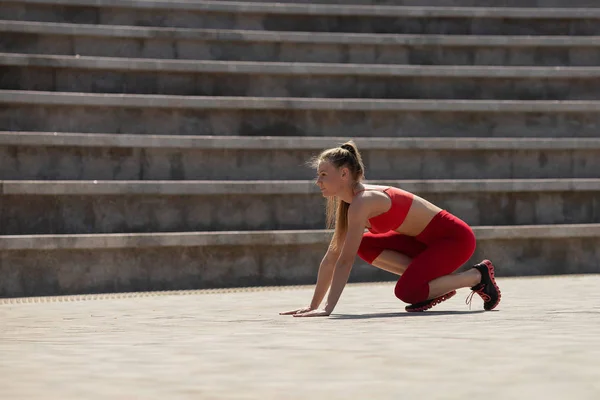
(64, 156)
(448, 3)
(457, 3)
(72, 207)
(72, 264)
(318, 80)
(225, 45)
(311, 17)
(252, 116)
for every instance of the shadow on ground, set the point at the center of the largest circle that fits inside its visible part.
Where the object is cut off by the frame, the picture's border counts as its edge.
(403, 314)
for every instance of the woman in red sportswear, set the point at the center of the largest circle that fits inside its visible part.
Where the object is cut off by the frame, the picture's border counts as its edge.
(408, 236)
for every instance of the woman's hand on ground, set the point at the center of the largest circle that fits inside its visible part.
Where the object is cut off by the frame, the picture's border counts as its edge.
(314, 313)
(298, 311)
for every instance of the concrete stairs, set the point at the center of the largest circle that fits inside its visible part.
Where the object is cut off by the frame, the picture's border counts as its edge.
(248, 45)
(161, 145)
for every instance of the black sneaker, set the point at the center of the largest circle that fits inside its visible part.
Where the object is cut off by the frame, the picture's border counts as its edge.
(487, 288)
(427, 304)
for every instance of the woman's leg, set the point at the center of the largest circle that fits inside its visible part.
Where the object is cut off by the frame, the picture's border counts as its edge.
(447, 283)
(390, 251)
(439, 260)
(392, 261)
(424, 269)
(451, 243)
(397, 263)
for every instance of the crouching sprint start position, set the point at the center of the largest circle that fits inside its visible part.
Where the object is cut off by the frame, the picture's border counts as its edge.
(408, 236)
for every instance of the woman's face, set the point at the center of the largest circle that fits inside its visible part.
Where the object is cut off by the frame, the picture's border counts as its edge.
(329, 179)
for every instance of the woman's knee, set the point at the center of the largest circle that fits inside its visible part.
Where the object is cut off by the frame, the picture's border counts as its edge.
(465, 244)
(470, 242)
(410, 293)
(462, 251)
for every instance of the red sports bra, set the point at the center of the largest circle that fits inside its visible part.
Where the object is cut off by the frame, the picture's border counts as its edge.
(394, 217)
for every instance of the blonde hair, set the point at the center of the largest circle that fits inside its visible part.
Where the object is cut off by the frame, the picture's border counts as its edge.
(346, 155)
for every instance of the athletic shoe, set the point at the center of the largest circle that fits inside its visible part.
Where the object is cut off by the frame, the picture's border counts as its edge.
(427, 304)
(487, 288)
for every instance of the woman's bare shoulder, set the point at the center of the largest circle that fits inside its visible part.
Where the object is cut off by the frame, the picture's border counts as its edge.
(370, 199)
(370, 186)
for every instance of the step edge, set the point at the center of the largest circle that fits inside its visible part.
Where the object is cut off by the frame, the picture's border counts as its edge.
(45, 98)
(265, 238)
(205, 142)
(283, 187)
(334, 9)
(122, 31)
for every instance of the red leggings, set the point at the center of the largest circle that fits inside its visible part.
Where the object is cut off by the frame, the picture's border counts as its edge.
(444, 245)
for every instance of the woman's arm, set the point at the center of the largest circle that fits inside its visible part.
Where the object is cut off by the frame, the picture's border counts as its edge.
(357, 216)
(323, 281)
(324, 277)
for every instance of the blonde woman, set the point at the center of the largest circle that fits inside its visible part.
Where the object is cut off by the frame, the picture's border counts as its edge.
(408, 236)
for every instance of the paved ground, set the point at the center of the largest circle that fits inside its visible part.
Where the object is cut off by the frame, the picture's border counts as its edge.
(543, 343)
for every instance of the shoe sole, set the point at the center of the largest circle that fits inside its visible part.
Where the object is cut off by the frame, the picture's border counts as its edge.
(491, 272)
(432, 303)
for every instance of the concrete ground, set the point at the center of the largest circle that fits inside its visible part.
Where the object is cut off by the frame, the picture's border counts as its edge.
(542, 343)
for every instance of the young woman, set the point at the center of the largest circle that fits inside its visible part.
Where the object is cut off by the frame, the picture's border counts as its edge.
(408, 236)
